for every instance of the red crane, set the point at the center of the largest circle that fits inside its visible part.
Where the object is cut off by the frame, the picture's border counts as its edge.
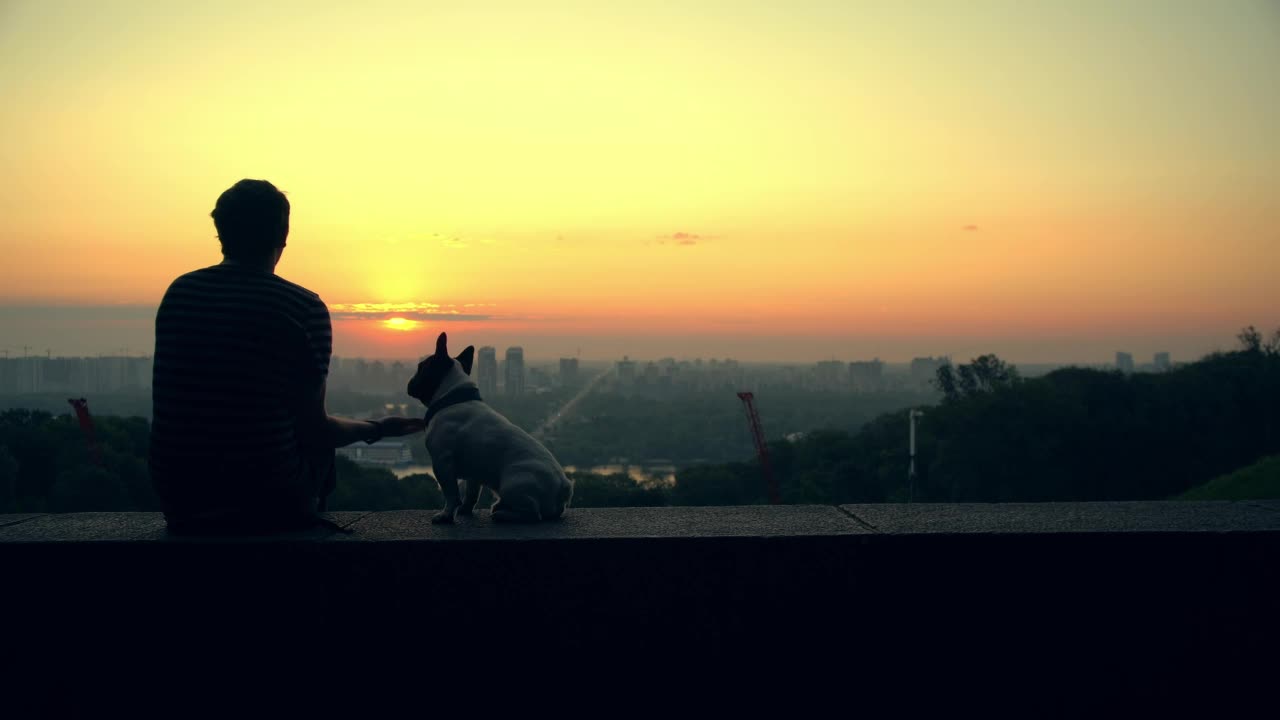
(762, 448)
(86, 426)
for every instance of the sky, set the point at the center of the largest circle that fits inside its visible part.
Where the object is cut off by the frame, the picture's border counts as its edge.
(764, 180)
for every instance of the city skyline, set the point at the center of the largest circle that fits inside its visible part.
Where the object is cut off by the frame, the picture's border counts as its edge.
(552, 357)
(127, 330)
(513, 377)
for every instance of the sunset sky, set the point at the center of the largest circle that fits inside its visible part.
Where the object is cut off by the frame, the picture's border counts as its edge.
(1052, 181)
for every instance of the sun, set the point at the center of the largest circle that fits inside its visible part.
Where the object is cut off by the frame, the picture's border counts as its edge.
(399, 323)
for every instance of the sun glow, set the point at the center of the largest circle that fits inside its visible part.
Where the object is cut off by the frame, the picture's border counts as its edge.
(399, 323)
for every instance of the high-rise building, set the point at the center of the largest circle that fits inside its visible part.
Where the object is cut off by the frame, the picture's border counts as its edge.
(866, 375)
(827, 374)
(626, 370)
(487, 371)
(1161, 361)
(568, 371)
(30, 374)
(538, 379)
(651, 372)
(1124, 362)
(924, 370)
(8, 375)
(513, 371)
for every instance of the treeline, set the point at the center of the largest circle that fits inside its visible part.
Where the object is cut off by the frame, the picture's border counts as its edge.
(1074, 434)
(125, 403)
(706, 427)
(45, 464)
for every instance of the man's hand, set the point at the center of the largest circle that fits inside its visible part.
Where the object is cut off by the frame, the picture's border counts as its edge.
(399, 426)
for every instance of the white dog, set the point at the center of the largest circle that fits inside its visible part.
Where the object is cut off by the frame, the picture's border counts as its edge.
(471, 441)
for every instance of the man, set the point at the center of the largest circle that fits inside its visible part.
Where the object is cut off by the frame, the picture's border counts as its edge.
(240, 438)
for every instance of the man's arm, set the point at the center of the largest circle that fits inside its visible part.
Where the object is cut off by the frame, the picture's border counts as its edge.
(321, 430)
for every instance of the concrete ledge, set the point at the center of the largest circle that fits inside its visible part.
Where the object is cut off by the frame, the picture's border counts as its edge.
(755, 521)
(1093, 517)
(15, 519)
(1118, 597)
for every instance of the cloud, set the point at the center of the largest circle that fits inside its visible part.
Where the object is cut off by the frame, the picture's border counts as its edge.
(437, 317)
(450, 241)
(683, 238)
(971, 228)
(409, 311)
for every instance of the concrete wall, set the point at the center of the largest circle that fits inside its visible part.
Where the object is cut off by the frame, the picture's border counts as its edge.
(1099, 599)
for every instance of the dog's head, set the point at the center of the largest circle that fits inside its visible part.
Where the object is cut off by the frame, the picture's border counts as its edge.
(434, 368)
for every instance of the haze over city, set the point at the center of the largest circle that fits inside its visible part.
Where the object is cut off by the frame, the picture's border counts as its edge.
(1051, 183)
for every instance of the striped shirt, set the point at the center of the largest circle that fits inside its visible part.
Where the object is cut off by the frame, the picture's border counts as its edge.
(237, 352)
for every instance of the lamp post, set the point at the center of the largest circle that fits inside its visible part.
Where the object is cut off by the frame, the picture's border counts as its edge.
(911, 466)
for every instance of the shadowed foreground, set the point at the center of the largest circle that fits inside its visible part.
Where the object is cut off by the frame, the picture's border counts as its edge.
(1098, 599)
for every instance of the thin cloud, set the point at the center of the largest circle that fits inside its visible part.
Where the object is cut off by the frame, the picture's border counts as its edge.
(683, 238)
(437, 317)
(971, 228)
(409, 311)
(450, 241)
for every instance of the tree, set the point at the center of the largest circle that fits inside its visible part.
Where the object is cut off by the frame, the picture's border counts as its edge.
(983, 374)
(85, 488)
(374, 488)
(1250, 339)
(732, 484)
(8, 481)
(616, 490)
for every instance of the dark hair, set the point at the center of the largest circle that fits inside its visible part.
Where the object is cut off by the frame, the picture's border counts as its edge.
(252, 218)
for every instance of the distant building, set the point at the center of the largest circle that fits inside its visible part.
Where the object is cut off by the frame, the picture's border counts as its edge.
(651, 373)
(1124, 362)
(866, 375)
(539, 379)
(828, 375)
(626, 370)
(924, 370)
(568, 371)
(487, 371)
(383, 452)
(1162, 362)
(513, 371)
(31, 374)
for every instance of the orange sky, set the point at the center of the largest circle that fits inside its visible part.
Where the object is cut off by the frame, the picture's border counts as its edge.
(772, 180)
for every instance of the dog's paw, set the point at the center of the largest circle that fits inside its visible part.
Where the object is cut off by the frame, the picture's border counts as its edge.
(464, 510)
(443, 518)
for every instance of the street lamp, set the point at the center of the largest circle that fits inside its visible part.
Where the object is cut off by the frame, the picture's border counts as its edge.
(911, 467)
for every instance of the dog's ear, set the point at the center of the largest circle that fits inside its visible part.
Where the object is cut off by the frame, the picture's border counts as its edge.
(466, 357)
(442, 345)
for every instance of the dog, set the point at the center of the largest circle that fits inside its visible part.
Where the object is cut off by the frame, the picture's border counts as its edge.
(470, 441)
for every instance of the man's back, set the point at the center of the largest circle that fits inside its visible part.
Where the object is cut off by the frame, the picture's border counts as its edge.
(237, 350)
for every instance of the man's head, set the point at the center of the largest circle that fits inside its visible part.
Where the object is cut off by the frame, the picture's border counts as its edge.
(252, 218)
